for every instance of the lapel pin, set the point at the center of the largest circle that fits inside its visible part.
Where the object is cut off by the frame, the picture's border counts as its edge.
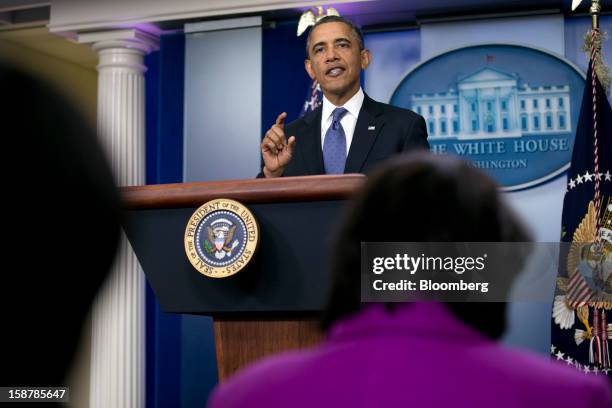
(371, 127)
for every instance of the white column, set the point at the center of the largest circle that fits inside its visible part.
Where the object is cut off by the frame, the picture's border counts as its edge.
(118, 315)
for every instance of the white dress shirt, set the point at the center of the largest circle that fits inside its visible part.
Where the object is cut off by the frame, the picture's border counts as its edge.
(348, 121)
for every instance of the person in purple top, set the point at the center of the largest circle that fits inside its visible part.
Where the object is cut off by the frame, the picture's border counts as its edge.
(414, 354)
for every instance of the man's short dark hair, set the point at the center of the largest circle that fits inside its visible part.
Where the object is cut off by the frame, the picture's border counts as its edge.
(336, 19)
(422, 198)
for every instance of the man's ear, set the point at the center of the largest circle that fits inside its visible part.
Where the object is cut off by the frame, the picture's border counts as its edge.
(366, 58)
(308, 67)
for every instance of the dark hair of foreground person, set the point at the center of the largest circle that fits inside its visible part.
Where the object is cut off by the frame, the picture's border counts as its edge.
(429, 198)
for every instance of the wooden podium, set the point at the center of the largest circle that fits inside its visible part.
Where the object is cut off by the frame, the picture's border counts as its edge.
(269, 306)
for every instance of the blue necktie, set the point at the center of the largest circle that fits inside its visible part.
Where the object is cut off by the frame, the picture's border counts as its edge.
(334, 145)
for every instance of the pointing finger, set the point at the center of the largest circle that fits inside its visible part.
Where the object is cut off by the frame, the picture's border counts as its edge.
(280, 120)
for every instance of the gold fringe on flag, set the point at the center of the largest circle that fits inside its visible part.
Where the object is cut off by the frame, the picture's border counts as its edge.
(595, 38)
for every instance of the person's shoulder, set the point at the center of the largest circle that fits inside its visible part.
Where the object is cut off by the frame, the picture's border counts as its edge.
(391, 110)
(531, 376)
(264, 380)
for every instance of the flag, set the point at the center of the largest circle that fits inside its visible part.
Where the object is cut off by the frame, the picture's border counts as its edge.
(314, 99)
(581, 331)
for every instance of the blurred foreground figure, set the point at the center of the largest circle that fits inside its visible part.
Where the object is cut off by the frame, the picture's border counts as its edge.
(61, 220)
(418, 354)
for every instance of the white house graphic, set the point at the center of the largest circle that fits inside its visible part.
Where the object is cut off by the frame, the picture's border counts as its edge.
(490, 103)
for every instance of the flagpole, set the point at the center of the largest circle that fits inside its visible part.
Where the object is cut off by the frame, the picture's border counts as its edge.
(594, 11)
(585, 301)
(595, 55)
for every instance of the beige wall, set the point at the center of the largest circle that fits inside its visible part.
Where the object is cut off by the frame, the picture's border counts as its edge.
(67, 66)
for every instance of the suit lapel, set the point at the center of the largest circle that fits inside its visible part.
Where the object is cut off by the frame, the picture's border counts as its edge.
(369, 124)
(312, 154)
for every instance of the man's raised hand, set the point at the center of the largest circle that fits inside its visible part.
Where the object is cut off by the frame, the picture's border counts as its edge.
(276, 149)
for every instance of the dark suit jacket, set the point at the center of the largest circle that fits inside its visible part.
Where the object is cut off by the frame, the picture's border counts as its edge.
(381, 131)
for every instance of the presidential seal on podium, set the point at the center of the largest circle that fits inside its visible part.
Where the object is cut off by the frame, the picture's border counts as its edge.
(221, 238)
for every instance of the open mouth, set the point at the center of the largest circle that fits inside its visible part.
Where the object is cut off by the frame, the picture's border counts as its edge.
(334, 72)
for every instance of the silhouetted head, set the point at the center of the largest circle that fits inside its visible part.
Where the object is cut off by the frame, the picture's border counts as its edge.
(61, 228)
(430, 199)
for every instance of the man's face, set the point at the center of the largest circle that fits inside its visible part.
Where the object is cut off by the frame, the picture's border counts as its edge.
(334, 59)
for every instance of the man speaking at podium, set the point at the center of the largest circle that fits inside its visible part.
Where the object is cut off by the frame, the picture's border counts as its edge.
(350, 132)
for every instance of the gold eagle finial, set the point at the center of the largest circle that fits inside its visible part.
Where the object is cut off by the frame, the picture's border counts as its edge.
(308, 18)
